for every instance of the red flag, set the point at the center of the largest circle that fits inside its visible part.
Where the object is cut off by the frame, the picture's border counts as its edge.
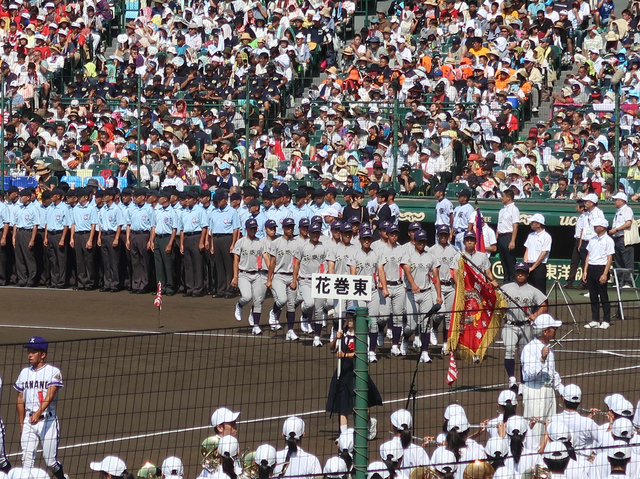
(452, 374)
(478, 230)
(158, 301)
(477, 317)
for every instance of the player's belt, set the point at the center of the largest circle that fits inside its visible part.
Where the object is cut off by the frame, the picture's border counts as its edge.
(44, 415)
(421, 291)
(282, 272)
(517, 323)
(254, 271)
(394, 283)
(446, 283)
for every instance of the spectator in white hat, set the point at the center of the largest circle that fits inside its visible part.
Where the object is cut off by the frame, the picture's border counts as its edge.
(507, 403)
(301, 464)
(536, 252)
(109, 467)
(414, 455)
(556, 458)
(600, 251)
(624, 232)
(224, 421)
(520, 458)
(265, 459)
(172, 468)
(463, 448)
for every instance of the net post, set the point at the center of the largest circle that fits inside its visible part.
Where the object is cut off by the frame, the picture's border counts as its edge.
(361, 389)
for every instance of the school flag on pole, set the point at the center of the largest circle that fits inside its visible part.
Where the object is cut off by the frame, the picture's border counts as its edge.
(478, 309)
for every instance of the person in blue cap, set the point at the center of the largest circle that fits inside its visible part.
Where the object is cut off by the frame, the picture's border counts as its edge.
(83, 240)
(140, 220)
(38, 387)
(249, 273)
(224, 228)
(25, 228)
(193, 241)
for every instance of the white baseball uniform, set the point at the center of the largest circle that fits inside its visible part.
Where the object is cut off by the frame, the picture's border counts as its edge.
(4, 460)
(33, 384)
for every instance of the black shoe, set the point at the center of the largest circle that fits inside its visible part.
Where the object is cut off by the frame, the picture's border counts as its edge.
(114, 290)
(134, 291)
(582, 286)
(187, 295)
(169, 293)
(50, 286)
(221, 294)
(569, 286)
(104, 290)
(78, 288)
(198, 295)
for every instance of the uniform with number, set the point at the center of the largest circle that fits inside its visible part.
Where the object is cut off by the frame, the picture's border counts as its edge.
(33, 384)
(282, 252)
(418, 304)
(462, 216)
(448, 259)
(251, 274)
(312, 260)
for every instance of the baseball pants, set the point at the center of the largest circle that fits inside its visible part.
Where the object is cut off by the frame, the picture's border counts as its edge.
(394, 304)
(541, 403)
(46, 431)
(373, 311)
(193, 267)
(4, 460)
(223, 261)
(598, 294)
(26, 267)
(513, 336)
(448, 295)
(282, 293)
(458, 241)
(418, 305)
(139, 260)
(86, 275)
(623, 258)
(163, 263)
(57, 260)
(311, 308)
(110, 261)
(252, 289)
(507, 257)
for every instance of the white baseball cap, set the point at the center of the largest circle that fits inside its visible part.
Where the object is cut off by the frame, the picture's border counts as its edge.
(619, 405)
(622, 428)
(172, 467)
(222, 415)
(545, 321)
(293, 425)
(444, 459)
(591, 197)
(401, 419)
(620, 196)
(507, 395)
(458, 421)
(335, 467)
(111, 465)
(555, 451)
(600, 222)
(228, 445)
(378, 467)
(265, 452)
(454, 410)
(517, 424)
(392, 449)
(572, 393)
(346, 440)
(538, 218)
(27, 473)
(619, 451)
(497, 445)
(558, 431)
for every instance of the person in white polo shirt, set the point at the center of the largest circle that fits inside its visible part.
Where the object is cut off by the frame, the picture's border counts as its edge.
(301, 464)
(623, 222)
(536, 252)
(592, 212)
(556, 459)
(539, 374)
(619, 458)
(508, 220)
(600, 252)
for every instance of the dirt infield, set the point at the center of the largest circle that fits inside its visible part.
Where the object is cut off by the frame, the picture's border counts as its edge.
(147, 396)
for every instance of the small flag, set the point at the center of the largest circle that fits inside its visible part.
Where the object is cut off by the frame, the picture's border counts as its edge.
(452, 374)
(158, 301)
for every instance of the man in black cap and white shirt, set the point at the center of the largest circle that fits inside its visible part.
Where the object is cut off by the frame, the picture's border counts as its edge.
(623, 221)
(600, 251)
(536, 252)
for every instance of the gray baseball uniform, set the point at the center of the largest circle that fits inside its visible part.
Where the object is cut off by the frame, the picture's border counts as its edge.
(282, 251)
(395, 303)
(366, 264)
(251, 273)
(516, 330)
(448, 258)
(418, 304)
(312, 259)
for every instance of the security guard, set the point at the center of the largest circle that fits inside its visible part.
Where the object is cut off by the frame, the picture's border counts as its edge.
(462, 216)
(224, 228)
(366, 262)
(112, 221)
(5, 243)
(210, 276)
(394, 304)
(600, 251)
(139, 222)
(25, 228)
(126, 273)
(419, 266)
(193, 239)
(516, 331)
(163, 239)
(278, 212)
(58, 222)
(281, 252)
(536, 252)
(249, 254)
(300, 209)
(508, 220)
(42, 260)
(83, 240)
(310, 258)
(448, 258)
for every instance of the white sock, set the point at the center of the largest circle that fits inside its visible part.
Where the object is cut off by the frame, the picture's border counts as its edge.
(343, 428)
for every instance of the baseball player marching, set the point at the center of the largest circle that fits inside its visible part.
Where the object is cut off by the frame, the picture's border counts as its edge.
(37, 388)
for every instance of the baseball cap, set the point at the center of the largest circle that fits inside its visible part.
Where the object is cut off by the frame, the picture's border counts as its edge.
(538, 218)
(335, 467)
(304, 222)
(346, 228)
(379, 468)
(555, 451)
(401, 419)
(251, 223)
(622, 428)
(337, 225)
(420, 235)
(507, 395)
(469, 235)
(600, 222)
(265, 453)
(270, 224)
(517, 425)
(393, 227)
(591, 197)
(392, 450)
(458, 421)
(330, 212)
(353, 220)
(443, 229)
(222, 415)
(415, 226)
(443, 459)
(228, 445)
(294, 425)
(366, 232)
(545, 321)
(37, 343)
(383, 225)
(619, 451)
(619, 405)
(346, 440)
(497, 445)
(172, 467)
(558, 431)
(572, 393)
(110, 464)
(454, 410)
(620, 196)
(464, 192)
(288, 222)
(522, 266)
